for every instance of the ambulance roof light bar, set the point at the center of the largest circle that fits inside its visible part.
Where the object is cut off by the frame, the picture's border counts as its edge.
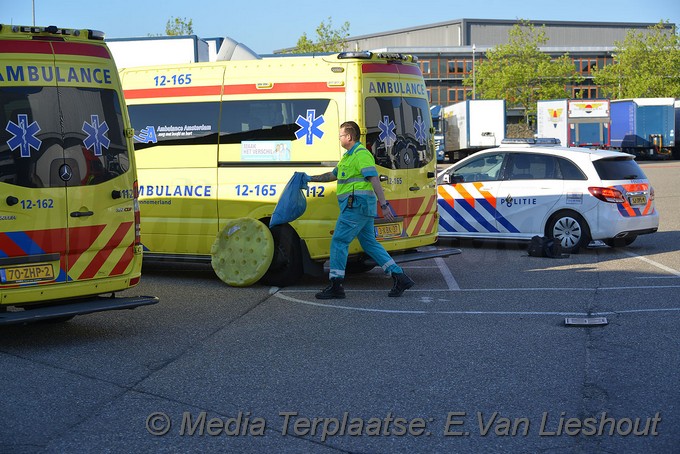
(367, 55)
(54, 30)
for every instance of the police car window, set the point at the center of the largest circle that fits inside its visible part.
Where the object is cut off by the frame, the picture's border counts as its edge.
(398, 132)
(36, 139)
(270, 119)
(192, 123)
(618, 169)
(482, 168)
(569, 170)
(529, 166)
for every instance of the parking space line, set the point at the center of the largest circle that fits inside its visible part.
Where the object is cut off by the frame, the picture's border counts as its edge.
(446, 273)
(512, 313)
(652, 262)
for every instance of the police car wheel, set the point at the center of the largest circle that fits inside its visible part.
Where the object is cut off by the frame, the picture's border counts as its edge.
(286, 266)
(570, 229)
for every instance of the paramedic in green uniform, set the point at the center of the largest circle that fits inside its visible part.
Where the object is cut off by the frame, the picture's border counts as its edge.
(358, 192)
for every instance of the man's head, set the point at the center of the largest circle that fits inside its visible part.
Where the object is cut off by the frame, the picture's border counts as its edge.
(349, 134)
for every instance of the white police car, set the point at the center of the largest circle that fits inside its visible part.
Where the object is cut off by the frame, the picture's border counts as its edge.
(528, 187)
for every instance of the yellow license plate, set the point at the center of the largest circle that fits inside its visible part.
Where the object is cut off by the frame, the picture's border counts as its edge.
(388, 230)
(27, 273)
(638, 200)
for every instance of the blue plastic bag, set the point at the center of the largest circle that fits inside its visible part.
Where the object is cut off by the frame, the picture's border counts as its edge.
(292, 203)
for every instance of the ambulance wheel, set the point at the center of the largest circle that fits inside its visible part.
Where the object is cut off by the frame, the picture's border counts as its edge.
(570, 229)
(286, 266)
(620, 242)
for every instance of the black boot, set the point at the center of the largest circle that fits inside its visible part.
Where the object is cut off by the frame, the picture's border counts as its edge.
(401, 283)
(334, 290)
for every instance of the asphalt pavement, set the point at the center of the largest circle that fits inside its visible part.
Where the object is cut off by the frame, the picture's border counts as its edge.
(477, 357)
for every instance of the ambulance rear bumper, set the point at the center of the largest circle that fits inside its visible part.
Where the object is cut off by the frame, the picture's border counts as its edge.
(73, 308)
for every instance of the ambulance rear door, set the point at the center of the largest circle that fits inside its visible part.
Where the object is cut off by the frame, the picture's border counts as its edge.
(33, 209)
(398, 126)
(95, 167)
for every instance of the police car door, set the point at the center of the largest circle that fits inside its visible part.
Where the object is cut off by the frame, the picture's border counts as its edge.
(530, 189)
(467, 197)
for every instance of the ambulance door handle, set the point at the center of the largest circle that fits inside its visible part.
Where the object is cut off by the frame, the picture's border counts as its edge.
(430, 174)
(115, 194)
(414, 188)
(11, 200)
(81, 214)
(383, 178)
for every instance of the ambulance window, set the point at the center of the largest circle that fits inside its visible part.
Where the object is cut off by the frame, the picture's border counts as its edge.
(93, 134)
(191, 123)
(277, 119)
(398, 132)
(36, 138)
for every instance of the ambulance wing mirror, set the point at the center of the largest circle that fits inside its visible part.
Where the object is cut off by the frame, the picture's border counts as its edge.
(446, 178)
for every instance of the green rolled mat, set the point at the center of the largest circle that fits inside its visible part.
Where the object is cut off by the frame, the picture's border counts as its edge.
(242, 252)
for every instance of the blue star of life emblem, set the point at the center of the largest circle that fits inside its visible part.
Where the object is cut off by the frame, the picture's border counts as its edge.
(24, 136)
(387, 134)
(419, 126)
(309, 126)
(96, 135)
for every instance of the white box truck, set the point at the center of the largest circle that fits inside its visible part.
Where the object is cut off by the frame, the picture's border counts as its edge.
(473, 125)
(575, 122)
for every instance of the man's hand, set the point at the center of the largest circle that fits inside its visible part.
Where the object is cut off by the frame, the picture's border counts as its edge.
(387, 212)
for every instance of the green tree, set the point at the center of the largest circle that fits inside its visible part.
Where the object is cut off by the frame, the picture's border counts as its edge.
(179, 26)
(646, 65)
(520, 73)
(327, 39)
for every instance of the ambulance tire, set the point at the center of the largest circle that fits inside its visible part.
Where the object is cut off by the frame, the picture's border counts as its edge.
(286, 266)
(570, 229)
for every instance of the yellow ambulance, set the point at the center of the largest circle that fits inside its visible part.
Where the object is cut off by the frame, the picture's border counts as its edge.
(217, 142)
(69, 216)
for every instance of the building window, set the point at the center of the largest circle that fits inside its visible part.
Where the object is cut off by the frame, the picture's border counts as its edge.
(459, 66)
(459, 94)
(585, 65)
(584, 92)
(425, 66)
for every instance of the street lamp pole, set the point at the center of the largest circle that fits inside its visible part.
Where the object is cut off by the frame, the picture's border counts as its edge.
(474, 82)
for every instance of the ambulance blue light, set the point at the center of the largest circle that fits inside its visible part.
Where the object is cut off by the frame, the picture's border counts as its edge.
(362, 54)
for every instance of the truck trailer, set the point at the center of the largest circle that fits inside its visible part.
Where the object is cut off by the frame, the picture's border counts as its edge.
(644, 127)
(575, 122)
(473, 125)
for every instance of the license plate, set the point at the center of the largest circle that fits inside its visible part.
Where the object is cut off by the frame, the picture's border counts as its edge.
(388, 230)
(27, 273)
(637, 200)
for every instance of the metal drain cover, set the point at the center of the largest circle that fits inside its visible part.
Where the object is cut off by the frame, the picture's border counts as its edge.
(585, 321)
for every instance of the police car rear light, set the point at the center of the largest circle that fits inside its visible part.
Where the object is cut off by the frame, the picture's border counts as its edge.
(609, 195)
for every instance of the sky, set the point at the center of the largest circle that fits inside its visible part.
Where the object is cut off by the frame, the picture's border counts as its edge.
(268, 25)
